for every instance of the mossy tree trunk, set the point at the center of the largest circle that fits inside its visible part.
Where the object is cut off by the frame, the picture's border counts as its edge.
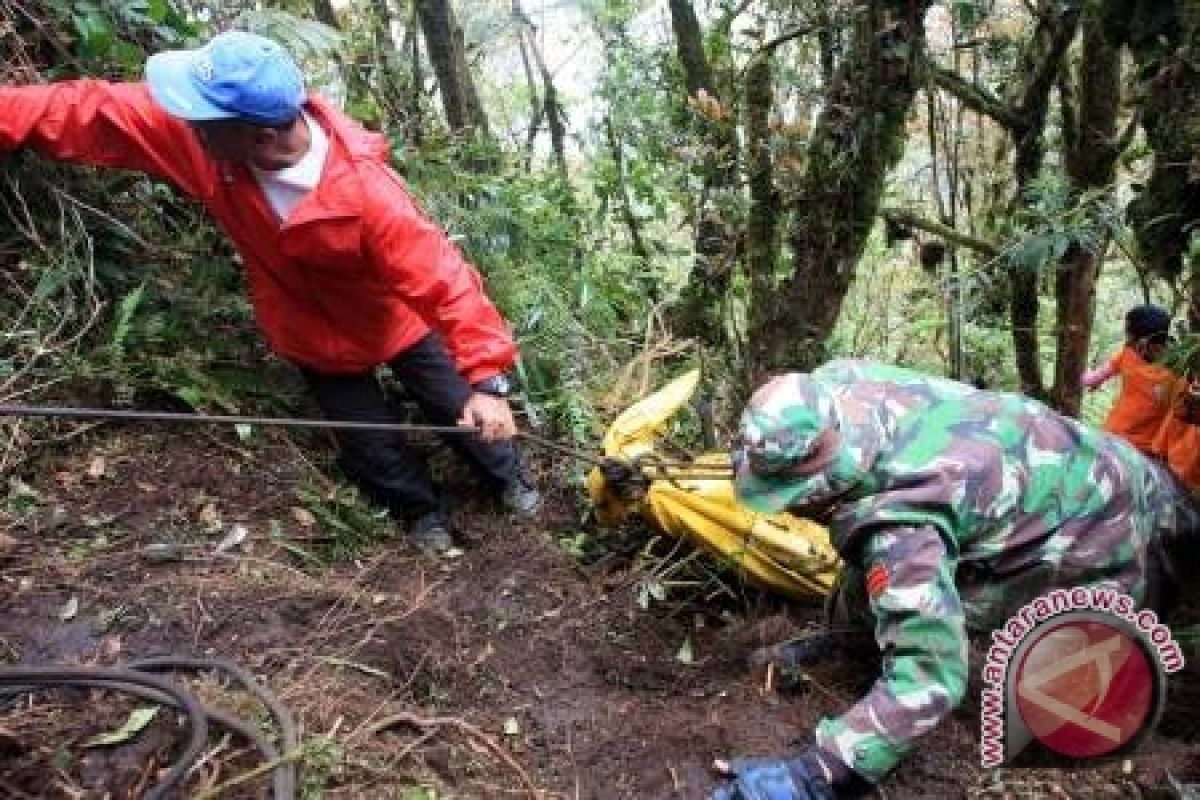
(1091, 148)
(762, 226)
(444, 44)
(1165, 42)
(699, 313)
(1022, 113)
(858, 138)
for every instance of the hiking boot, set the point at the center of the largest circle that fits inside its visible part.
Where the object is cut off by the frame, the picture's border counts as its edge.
(522, 498)
(430, 533)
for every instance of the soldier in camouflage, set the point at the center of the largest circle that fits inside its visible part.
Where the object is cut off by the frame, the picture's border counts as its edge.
(952, 507)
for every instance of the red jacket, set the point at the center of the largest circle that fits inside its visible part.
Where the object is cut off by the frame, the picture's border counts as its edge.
(357, 273)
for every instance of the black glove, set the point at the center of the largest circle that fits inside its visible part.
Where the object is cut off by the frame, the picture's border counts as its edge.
(795, 778)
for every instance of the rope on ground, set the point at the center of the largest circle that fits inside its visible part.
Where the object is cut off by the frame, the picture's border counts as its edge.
(284, 769)
(464, 727)
(20, 680)
(136, 679)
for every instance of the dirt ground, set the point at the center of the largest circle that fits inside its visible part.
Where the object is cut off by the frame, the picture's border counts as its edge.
(514, 670)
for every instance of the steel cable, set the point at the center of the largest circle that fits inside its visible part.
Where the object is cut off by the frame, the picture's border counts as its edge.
(659, 468)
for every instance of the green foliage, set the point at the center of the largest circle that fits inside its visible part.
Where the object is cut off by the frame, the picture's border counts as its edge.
(111, 35)
(120, 289)
(324, 761)
(565, 294)
(1054, 220)
(125, 311)
(348, 521)
(1183, 355)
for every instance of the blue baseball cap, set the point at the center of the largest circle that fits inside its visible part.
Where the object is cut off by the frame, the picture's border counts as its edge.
(237, 75)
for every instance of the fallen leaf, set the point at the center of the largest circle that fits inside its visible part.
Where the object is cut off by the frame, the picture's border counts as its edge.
(7, 543)
(97, 467)
(109, 648)
(237, 534)
(162, 552)
(19, 488)
(209, 515)
(685, 654)
(139, 718)
(69, 610)
(303, 516)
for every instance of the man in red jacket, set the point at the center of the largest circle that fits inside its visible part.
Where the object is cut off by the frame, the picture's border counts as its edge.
(345, 271)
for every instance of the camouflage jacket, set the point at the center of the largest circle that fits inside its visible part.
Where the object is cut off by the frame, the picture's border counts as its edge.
(954, 507)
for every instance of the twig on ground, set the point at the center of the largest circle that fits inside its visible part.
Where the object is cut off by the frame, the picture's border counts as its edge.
(362, 726)
(464, 727)
(334, 661)
(249, 775)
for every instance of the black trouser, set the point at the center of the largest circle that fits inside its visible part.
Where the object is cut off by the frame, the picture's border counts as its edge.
(381, 462)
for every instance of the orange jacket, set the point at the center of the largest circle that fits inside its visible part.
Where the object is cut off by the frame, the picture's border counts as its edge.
(1178, 443)
(1143, 400)
(355, 275)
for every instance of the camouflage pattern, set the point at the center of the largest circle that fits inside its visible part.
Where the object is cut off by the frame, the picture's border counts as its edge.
(954, 507)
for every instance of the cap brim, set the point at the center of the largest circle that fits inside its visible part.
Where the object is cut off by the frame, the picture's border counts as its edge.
(170, 80)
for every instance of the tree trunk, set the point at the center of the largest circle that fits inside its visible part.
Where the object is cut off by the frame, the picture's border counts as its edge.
(1091, 156)
(551, 108)
(1039, 65)
(443, 42)
(689, 44)
(388, 90)
(762, 228)
(636, 241)
(323, 11)
(535, 102)
(1165, 42)
(414, 107)
(858, 137)
(475, 113)
(1023, 114)
(699, 311)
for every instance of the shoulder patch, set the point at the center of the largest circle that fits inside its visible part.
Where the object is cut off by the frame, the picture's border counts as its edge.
(877, 580)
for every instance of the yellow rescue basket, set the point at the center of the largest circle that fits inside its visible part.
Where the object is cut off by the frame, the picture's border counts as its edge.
(780, 552)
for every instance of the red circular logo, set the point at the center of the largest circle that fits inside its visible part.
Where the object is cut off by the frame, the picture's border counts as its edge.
(1084, 688)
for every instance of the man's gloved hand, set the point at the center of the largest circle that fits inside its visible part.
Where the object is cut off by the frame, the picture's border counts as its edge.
(796, 778)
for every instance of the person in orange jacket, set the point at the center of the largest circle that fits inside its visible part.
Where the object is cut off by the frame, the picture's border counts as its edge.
(345, 271)
(1178, 440)
(1144, 398)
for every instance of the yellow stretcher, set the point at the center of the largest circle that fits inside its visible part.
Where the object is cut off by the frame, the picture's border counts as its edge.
(781, 552)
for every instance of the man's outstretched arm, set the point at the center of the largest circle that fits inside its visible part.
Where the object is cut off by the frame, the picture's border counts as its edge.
(102, 124)
(920, 629)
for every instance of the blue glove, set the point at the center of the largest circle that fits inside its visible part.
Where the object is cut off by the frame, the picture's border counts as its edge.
(775, 779)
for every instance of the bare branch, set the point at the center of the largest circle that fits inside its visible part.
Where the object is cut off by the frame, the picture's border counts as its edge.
(787, 36)
(975, 97)
(1126, 137)
(908, 219)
